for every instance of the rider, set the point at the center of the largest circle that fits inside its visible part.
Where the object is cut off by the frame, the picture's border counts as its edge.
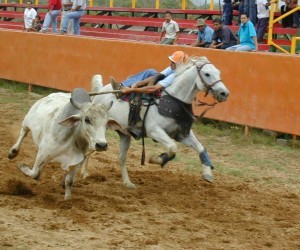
(147, 82)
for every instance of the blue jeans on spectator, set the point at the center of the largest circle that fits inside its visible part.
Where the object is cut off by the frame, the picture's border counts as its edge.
(227, 13)
(296, 21)
(240, 47)
(139, 77)
(261, 28)
(51, 19)
(75, 15)
(250, 8)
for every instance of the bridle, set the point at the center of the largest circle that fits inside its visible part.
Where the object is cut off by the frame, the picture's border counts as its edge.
(205, 83)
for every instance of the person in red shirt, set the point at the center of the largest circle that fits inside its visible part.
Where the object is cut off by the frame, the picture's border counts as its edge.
(54, 7)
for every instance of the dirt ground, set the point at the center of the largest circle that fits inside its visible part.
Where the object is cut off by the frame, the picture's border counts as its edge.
(172, 208)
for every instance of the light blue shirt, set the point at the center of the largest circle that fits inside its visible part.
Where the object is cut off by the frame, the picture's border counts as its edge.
(206, 34)
(246, 33)
(170, 75)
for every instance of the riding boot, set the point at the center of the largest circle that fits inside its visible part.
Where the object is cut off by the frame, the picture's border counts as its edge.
(116, 86)
(135, 124)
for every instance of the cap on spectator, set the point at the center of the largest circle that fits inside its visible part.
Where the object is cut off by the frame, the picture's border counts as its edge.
(179, 57)
(200, 22)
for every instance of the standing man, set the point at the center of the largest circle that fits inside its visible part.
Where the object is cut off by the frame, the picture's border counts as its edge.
(205, 34)
(65, 9)
(170, 30)
(54, 7)
(263, 15)
(247, 39)
(76, 13)
(227, 12)
(223, 37)
(29, 16)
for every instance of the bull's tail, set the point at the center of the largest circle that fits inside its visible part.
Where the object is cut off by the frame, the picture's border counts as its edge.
(96, 83)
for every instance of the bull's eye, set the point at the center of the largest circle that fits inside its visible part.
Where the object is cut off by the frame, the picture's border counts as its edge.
(87, 120)
(207, 75)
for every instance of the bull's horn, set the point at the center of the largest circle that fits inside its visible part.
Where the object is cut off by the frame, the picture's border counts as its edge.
(75, 104)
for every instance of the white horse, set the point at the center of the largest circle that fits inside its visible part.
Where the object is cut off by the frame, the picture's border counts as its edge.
(197, 75)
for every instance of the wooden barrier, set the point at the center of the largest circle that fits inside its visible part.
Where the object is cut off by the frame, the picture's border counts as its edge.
(264, 87)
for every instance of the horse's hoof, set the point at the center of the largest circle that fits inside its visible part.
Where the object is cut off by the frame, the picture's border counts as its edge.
(207, 174)
(207, 178)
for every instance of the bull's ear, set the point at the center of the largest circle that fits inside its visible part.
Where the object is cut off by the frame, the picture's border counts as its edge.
(112, 124)
(71, 121)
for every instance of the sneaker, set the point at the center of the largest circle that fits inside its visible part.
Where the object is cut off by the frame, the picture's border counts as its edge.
(116, 86)
(43, 31)
(63, 32)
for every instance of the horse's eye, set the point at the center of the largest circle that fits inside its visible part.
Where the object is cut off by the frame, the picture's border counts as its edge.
(87, 120)
(207, 75)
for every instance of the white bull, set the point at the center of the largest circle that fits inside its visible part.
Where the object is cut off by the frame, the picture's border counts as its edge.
(61, 137)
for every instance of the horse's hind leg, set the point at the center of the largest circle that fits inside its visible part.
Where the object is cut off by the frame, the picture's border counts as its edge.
(13, 152)
(162, 137)
(125, 141)
(193, 142)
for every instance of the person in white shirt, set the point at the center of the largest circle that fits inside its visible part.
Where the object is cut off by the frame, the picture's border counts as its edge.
(170, 30)
(29, 16)
(263, 14)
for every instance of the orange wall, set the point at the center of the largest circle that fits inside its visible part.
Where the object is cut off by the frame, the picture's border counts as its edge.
(265, 87)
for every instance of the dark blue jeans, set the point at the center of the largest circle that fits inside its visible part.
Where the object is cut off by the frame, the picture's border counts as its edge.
(261, 28)
(227, 13)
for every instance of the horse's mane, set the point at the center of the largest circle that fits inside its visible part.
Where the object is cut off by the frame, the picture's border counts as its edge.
(194, 60)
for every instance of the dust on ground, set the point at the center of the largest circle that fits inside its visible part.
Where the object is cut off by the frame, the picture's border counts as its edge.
(172, 208)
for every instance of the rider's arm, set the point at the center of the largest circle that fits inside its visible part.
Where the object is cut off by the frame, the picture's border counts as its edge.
(144, 90)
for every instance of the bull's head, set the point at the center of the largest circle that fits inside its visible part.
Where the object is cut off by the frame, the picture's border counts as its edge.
(92, 122)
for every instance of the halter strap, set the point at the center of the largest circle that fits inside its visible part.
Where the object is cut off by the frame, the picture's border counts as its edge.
(206, 85)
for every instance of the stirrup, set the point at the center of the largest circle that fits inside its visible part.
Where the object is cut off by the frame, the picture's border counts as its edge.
(135, 132)
(116, 86)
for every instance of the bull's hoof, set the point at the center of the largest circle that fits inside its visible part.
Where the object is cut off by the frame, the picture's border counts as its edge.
(130, 185)
(12, 154)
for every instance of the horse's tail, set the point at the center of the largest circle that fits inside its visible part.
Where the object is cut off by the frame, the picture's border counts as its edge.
(96, 83)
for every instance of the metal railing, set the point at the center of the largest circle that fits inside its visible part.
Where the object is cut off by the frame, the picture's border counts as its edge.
(272, 21)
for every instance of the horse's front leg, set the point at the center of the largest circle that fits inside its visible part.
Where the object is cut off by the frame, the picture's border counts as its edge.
(125, 141)
(161, 136)
(207, 166)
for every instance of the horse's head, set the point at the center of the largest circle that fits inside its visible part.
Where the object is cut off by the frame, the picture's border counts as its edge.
(209, 79)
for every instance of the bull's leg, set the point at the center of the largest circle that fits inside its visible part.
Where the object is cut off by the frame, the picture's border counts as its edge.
(207, 166)
(69, 180)
(13, 152)
(84, 170)
(125, 141)
(40, 161)
(161, 136)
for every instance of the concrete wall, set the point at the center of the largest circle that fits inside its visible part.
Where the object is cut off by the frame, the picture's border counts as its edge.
(265, 87)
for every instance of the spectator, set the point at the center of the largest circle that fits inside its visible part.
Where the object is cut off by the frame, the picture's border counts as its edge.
(263, 15)
(296, 15)
(66, 8)
(36, 24)
(227, 12)
(170, 30)
(239, 6)
(29, 15)
(286, 7)
(250, 9)
(247, 40)
(54, 7)
(223, 37)
(205, 34)
(76, 13)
